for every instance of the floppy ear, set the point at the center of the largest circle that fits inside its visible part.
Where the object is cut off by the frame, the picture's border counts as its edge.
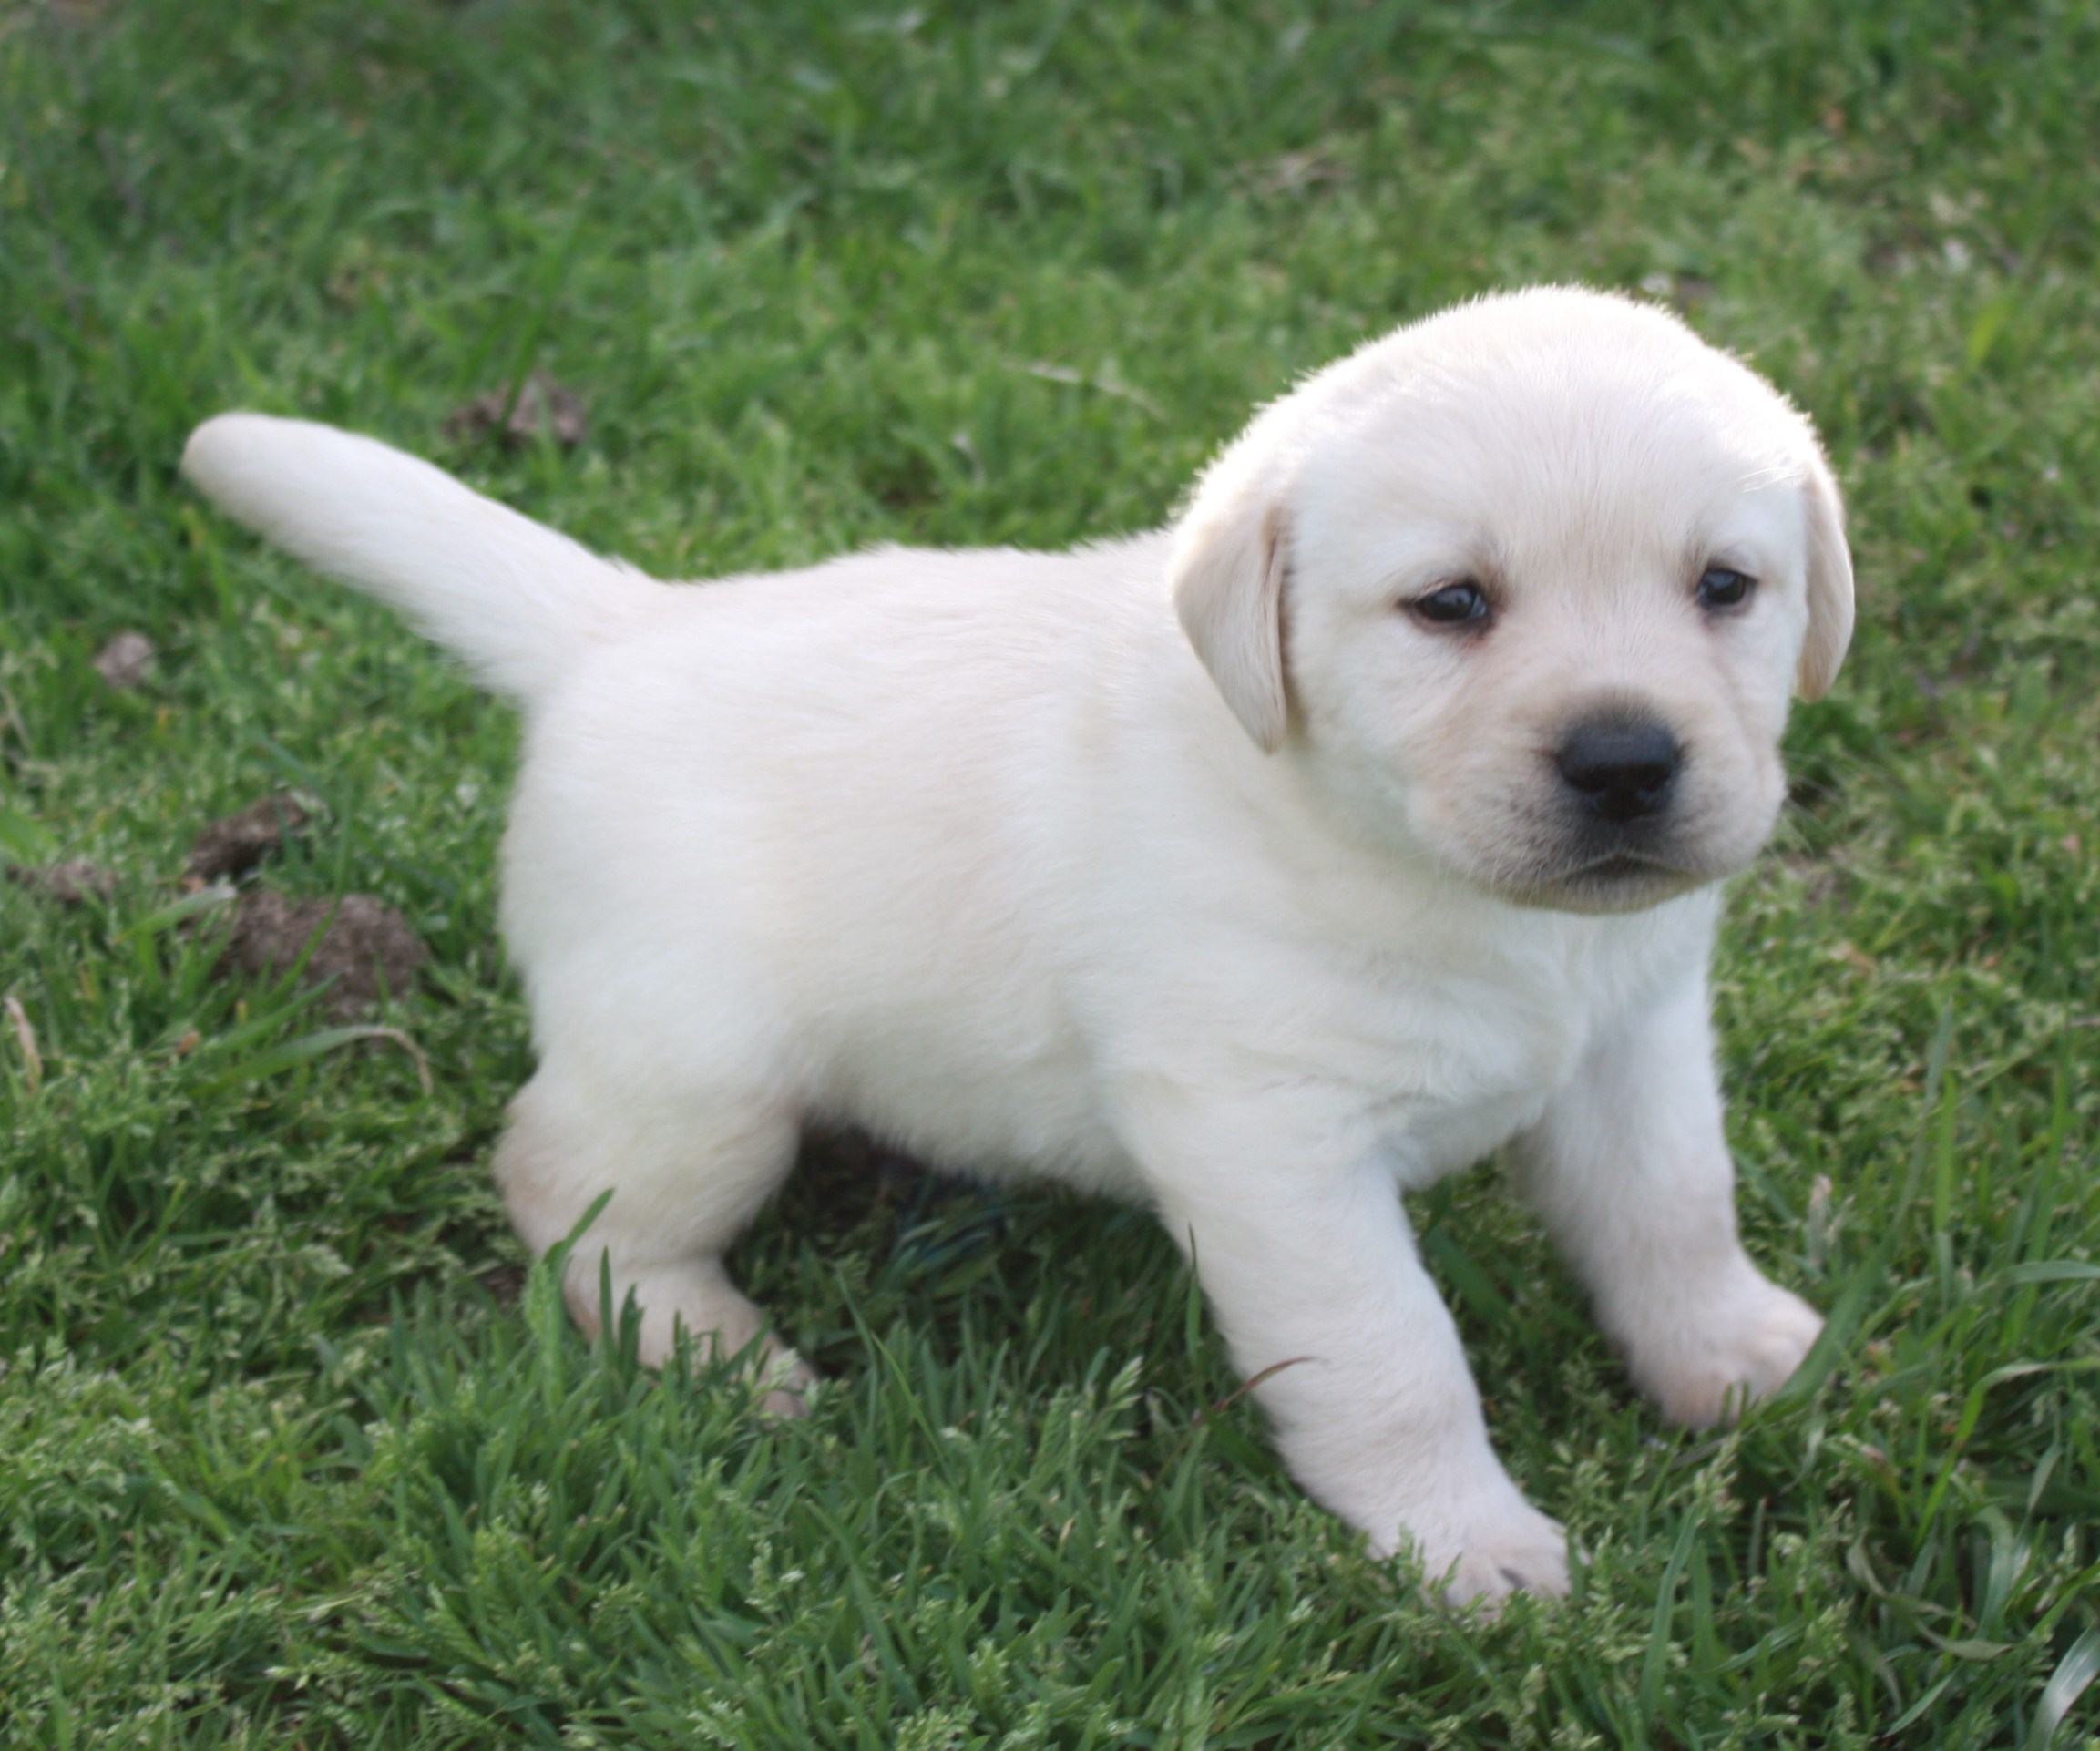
(1829, 585)
(1228, 579)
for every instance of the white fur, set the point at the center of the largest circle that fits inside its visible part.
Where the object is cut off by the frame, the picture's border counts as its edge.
(986, 852)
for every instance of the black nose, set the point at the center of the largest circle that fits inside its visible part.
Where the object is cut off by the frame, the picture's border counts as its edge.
(1621, 768)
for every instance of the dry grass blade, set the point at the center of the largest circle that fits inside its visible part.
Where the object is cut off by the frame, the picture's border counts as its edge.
(309, 1047)
(25, 1038)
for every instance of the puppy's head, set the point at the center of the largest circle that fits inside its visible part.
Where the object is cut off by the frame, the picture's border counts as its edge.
(1527, 586)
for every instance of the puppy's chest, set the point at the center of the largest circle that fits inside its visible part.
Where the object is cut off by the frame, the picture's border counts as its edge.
(1473, 1059)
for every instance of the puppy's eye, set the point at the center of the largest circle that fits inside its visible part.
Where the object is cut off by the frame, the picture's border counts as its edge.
(1720, 587)
(1459, 604)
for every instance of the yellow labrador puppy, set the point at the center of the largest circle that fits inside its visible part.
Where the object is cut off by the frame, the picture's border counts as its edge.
(1370, 818)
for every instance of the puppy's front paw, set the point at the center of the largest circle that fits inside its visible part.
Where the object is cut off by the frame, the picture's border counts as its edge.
(1742, 1345)
(1504, 1547)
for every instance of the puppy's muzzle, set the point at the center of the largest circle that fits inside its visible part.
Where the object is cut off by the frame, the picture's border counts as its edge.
(1621, 768)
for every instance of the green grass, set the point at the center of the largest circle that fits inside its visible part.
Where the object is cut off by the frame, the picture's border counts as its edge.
(287, 1457)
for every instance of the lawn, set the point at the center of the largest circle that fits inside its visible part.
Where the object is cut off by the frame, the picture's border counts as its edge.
(293, 1449)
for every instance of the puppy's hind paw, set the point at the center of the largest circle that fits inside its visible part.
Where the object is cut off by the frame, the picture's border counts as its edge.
(787, 1380)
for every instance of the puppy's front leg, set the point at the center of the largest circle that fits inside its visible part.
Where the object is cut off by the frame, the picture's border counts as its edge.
(1307, 1258)
(1631, 1170)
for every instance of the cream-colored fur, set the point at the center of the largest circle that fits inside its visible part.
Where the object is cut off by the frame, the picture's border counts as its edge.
(1199, 868)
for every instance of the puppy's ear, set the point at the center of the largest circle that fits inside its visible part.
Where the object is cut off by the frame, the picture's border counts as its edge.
(1227, 578)
(1829, 585)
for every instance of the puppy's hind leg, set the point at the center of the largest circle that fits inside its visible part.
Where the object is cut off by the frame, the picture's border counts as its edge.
(688, 1170)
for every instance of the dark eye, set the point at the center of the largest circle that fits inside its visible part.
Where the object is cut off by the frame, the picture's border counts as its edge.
(1721, 588)
(1453, 605)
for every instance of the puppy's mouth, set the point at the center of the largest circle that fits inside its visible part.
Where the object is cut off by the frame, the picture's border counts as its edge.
(1623, 865)
(1531, 853)
(1620, 880)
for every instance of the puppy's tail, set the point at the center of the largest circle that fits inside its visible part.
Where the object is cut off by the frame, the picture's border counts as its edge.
(514, 598)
